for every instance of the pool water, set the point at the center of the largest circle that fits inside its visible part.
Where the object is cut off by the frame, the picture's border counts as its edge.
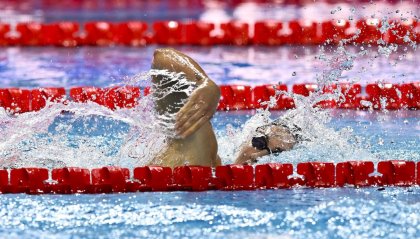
(295, 213)
(103, 66)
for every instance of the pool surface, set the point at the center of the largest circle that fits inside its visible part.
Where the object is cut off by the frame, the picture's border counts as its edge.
(95, 141)
(103, 66)
(296, 213)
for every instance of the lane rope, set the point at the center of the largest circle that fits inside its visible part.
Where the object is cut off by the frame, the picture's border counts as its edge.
(268, 33)
(233, 97)
(198, 178)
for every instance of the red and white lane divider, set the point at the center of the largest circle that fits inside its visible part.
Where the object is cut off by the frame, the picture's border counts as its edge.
(233, 97)
(198, 178)
(137, 33)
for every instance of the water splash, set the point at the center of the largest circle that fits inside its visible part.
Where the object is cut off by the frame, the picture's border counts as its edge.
(323, 143)
(90, 135)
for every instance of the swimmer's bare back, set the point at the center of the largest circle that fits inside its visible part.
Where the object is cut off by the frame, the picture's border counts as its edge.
(195, 143)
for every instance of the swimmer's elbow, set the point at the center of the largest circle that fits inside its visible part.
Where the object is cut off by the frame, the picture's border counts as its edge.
(159, 58)
(159, 53)
(215, 89)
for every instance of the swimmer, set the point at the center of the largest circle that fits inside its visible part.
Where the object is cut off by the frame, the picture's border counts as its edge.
(195, 142)
(272, 138)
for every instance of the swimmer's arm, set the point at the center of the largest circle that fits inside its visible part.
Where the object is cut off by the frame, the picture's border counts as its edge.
(202, 103)
(248, 155)
(198, 110)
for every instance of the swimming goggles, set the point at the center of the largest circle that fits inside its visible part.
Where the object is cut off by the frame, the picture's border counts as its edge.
(261, 143)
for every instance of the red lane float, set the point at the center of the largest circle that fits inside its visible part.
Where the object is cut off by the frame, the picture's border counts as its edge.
(369, 31)
(418, 173)
(71, 180)
(109, 179)
(268, 33)
(410, 95)
(122, 97)
(273, 175)
(356, 173)
(85, 94)
(233, 97)
(235, 177)
(168, 32)
(134, 33)
(23, 100)
(42, 95)
(61, 34)
(15, 100)
(31, 34)
(99, 33)
(335, 31)
(351, 94)
(317, 174)
(384, 96)
(4, 30)
(113, 98)
(307, 89)
(402, 32)
(193, 178)
(154, 178)
(4, 181)
(199, 33)
(304, 33)
(235, 33)
(28, 180)
(397, 172)
(199, 178)
(263, 95)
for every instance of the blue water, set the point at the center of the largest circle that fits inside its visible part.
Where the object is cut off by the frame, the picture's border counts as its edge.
(295, 213)
(99, 66)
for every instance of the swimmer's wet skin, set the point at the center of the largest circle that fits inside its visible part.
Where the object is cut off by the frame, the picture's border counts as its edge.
(195, 143)
(273, 139)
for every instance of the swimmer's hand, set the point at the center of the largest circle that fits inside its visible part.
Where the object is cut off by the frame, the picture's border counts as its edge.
(198, 110)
